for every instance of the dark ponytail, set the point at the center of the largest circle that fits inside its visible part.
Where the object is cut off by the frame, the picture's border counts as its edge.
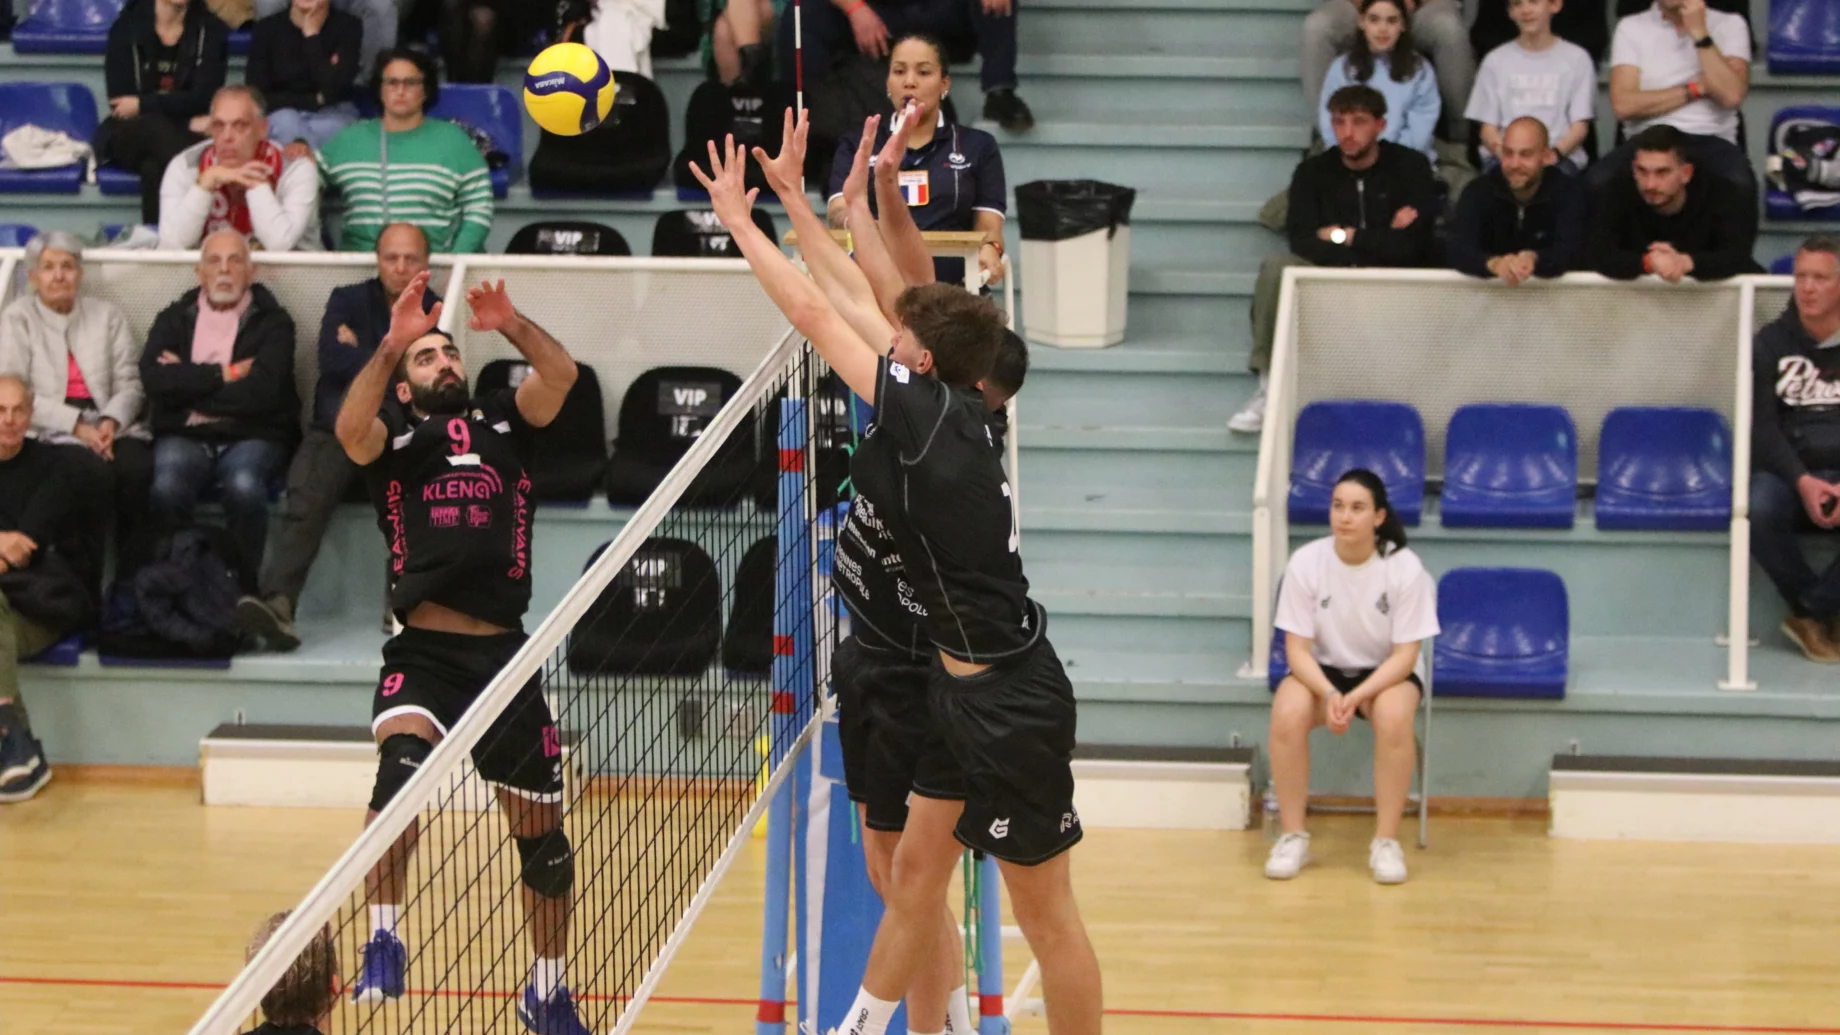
(1390, 537)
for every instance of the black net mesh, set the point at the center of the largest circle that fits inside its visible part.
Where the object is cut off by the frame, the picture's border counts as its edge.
(690, 670)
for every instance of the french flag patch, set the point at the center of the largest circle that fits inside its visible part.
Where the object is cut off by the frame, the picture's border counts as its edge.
(914, 188)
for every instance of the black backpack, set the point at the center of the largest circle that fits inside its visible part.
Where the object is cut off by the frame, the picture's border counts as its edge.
(747, 645)
(183, 605)
(626, 153)
(754, 115)
(568, 457)
(697, 234)
(661, 615)
(567, 237)
(663, 414)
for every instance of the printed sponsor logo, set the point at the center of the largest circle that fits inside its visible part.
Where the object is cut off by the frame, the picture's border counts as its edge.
(482, 484)
(393, 503)
(444, 517)
(1799, 383)
(520, 530)
(999, 828)
(898, 372)
(1069, 820)
(1382, 606)
(478, 516)
(549, 84)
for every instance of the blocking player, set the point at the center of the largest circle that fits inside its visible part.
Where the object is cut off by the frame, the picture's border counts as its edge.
(932, 469)
(447, 474)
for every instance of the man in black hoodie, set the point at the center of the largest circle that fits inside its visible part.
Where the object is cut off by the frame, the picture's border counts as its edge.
(1666, 221)
(1522, 219)
(1795, 447)
(1364, 202)
(218, 369)
(165, 60)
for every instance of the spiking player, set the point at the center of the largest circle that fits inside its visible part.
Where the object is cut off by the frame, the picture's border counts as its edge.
(447, 475)
(931, 468)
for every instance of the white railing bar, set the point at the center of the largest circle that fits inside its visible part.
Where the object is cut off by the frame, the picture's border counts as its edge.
(1738, 632)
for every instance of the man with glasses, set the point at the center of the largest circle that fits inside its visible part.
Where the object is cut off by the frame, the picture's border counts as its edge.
(240, 180)
(408, 168)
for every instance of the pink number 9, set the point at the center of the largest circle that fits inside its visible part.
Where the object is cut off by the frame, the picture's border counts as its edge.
(392, 683)
(462, 436)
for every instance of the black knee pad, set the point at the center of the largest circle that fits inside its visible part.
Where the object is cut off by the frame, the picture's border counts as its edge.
(398, 757)
(548, 863)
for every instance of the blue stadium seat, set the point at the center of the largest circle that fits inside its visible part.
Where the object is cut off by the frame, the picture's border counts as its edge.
(1784, 265)
(1279, 664)
(1506, 633)
(1804, 37)
(495, 111)
(1779, 203)
(66, 27)
(1336, 437)
(239, 41)
(64, 652)
(115, 181)
(1664, 468)
(1510, 466)
(15, 235)
(66, 107)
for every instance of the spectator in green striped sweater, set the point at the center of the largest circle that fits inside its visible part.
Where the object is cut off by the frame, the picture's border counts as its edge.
(408, 168)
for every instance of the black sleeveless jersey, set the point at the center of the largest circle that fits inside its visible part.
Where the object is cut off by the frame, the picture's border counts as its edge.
(453, 501)
(929, 471)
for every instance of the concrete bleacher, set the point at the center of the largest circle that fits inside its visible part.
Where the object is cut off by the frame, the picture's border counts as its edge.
(1135, 499)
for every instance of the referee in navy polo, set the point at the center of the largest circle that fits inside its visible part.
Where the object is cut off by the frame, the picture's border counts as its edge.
(951, 175)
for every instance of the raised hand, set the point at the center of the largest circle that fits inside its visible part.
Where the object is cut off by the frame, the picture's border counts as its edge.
(491, 306)
(856, 185)
(407, 321)
(888, 160)
(727, 185)
(786, 170)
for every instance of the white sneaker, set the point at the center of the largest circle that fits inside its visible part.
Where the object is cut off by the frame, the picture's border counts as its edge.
(1387, 860)
(1251, 417)
(1290, 855)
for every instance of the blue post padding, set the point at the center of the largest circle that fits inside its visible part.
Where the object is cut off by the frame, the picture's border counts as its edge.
(990, 946)
(851, 908)
(792, 704)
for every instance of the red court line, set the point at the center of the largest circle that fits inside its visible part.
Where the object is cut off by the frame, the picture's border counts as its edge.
(1201, 1015)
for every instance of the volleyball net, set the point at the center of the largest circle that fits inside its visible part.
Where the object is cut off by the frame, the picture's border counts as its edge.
(684, 671)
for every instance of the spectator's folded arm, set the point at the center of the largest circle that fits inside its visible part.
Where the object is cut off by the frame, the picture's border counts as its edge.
(177, 385)
(260, 392)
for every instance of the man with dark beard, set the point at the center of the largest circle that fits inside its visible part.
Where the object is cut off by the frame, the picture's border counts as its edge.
(447, 474)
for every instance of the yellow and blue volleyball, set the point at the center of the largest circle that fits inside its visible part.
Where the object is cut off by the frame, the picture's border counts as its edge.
(568, 89)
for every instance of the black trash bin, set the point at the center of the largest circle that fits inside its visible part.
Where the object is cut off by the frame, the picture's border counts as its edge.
(1076, 261)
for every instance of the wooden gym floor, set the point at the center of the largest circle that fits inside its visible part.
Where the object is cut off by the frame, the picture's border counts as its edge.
(124, 905)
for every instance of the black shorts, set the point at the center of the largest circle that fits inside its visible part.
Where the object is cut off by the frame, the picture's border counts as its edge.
(890, 743)
(437, 675)
(1012, 728)
(1345, 681)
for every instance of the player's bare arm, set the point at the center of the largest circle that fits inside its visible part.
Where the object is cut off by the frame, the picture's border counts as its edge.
(871, 251)
(358, 428)
(836, 274)
(899, 231)
(553, 372)
(796, 296)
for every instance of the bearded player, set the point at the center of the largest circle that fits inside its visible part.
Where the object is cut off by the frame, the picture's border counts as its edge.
(447, 474)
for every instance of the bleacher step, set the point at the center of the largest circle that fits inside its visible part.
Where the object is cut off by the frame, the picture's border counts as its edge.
(1755, 801)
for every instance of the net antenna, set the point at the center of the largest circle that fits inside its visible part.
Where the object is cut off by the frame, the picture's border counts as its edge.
(633, 904)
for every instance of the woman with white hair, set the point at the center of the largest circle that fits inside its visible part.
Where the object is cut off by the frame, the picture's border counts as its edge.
(83, 365)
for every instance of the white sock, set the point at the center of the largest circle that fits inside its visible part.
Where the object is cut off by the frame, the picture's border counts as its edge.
(868, 1015)
(958, 1013)
(546, 976)
(385, 918)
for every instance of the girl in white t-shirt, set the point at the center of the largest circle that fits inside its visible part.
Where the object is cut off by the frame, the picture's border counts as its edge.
(1354, 608)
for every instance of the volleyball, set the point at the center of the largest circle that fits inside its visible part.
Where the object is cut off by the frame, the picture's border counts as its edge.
(568, 89)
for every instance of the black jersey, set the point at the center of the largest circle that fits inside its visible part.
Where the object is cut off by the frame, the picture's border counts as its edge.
(929, 471)
(453, 500)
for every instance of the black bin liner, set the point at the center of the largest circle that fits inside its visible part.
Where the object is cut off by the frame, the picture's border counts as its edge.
(1054, 210)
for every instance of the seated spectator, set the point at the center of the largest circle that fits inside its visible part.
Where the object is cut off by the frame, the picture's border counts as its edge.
(1678, 64)
(732, 46)
(1383, 58)
(1438, 32)
(379, 20)
(219, 371)
(357, 316)
(1583, 22)
(434, 176)
(239, 180)
(76, 353)
(1795, 448)
(1667, 221)
(1522, 219)
(305, 61)
(42, 596)
(1540, 75)
(165, 60)
(301, 1002)
(1355, 606)
(829, 28)
(1364, 203)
